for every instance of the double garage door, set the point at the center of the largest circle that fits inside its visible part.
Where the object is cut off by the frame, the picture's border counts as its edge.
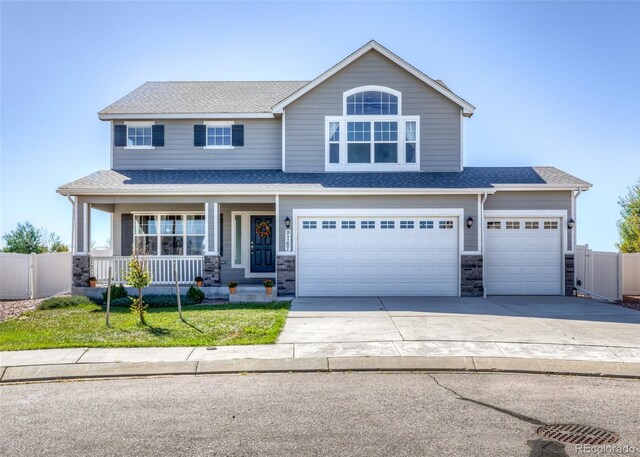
(523, 256)
(377, 256)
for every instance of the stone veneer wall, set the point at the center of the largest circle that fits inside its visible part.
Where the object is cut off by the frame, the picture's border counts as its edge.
(471, 276)
(569, 274)
(81, 271)
(211, 270)
(286, 274)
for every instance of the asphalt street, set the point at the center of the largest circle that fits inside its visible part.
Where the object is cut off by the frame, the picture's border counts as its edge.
(360, 414)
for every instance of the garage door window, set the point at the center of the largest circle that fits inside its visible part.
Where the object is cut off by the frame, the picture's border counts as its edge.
(492, 225)
(347, 225)
(309, 225)
(511, 225)
(445, 225)
(531, 225)
(328, 224)
(550, 225)
(406, 224)
(368, 224)
(426, 224)
(387, 224)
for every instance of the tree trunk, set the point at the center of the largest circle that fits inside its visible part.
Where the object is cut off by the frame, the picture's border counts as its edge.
(140, 307)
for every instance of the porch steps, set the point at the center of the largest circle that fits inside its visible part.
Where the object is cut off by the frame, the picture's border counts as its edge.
(254, 294)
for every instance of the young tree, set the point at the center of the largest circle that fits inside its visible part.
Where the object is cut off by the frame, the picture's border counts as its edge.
(629, 224)
(138, 276)
(26, 239)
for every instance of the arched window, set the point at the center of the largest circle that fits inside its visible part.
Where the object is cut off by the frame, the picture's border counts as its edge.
(372, 101)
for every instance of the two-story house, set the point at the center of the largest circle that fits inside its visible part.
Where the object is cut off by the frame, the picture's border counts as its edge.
(352, 183)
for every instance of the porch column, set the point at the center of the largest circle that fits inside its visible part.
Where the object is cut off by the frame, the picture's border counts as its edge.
(212, 261)
(81, 269)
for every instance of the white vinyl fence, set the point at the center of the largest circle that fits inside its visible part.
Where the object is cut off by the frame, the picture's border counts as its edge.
(25, 276)
(607, 274)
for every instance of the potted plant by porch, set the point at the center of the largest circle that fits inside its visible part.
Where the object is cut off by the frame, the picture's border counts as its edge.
(199, 281)
(93, 281)
(232, 286)
(268, 286)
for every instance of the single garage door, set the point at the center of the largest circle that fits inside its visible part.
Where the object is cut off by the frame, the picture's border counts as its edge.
(377, 256)
(523, 256)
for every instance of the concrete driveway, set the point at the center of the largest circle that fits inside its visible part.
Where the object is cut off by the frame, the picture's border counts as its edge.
(492, 327)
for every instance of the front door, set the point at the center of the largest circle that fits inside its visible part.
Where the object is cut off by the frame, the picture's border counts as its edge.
(262, 257)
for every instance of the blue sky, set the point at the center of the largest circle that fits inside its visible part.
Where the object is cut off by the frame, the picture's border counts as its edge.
(554, 83)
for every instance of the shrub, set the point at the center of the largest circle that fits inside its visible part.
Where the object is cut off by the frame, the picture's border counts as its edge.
(64, 302)
(195, 294)
(117, 291)
(155, 301)
(198, 279)
(267, 283)
(232, 284)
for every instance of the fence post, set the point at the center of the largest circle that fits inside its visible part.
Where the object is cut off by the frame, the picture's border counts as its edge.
(108, 294)
(175, 277)
(620, 273)
(32, 276)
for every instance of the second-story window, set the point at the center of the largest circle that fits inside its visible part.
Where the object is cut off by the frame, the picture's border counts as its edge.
(375, 135)
(138, 136)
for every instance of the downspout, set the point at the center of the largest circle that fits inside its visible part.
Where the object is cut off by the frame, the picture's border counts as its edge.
(73, 226)
(484, 199)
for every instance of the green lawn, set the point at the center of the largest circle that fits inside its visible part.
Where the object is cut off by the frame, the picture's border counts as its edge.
(83, 325)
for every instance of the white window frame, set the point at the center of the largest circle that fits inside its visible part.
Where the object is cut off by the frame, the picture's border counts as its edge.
(218, 124)
(356, 90)
(148, 124)
(344, 166)
(158, 235)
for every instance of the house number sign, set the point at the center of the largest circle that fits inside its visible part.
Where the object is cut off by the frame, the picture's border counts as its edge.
(287, 240)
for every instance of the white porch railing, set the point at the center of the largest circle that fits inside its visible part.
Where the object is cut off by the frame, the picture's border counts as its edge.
(161, 268)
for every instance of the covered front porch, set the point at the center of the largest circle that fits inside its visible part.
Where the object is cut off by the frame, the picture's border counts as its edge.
(229, 238)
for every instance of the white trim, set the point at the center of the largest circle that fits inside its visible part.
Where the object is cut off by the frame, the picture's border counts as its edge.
(461, 141)
(479, 222)
(533, 187)
(242, 215)
(108, 117)
(277, 223)
(245, 231)
(111, 140)
(270, 190)
(206, 227)
(380, 212)
(467, 108)
(85, 228)
(284, 140)
(218, 123)
(292, 253)
(216, 228)
(149, 124)
(471, 253)
(140, 147)
(344, 166)
(208, 124)
(139, 123)
(374, 88)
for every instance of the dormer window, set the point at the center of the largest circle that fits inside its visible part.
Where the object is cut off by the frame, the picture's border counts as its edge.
(372, 134)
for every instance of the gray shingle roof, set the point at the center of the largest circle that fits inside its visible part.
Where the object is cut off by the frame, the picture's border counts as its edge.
(246, 180)
(203, 97)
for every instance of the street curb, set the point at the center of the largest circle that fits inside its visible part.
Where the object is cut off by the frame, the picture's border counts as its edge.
(31, 373)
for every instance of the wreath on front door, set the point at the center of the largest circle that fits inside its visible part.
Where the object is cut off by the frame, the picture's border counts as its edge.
(263, 230)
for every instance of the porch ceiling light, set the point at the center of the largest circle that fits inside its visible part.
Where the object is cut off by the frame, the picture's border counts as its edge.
(469, 222)
(287, 222)
(571, 224)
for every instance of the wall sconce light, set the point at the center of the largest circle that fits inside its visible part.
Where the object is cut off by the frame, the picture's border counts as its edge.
(571, 224)
(287, 222)
(469, 222)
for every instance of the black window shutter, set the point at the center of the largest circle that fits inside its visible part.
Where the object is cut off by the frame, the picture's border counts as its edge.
(157, 135)
(119, 136)
(221, 244)
(199, 135)
(237, 135)
(126, 234)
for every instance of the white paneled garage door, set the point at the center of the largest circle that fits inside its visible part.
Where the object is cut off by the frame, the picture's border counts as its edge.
(523, 256)
(377, 256)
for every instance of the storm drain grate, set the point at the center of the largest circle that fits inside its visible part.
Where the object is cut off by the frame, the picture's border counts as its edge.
(578, 434)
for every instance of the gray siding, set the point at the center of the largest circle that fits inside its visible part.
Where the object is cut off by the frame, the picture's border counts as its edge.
(262, 149)
(440, 118)
(531, 200)
(469, 203)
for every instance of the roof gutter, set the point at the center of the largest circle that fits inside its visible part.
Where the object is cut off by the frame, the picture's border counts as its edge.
(146, 116)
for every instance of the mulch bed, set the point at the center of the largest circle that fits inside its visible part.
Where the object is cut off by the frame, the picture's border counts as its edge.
(631, 302)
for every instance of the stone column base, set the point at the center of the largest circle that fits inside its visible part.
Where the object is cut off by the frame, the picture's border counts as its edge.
(471, 276)
(569, 272)
(81, 271)
(286, 274)
(211, 270)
